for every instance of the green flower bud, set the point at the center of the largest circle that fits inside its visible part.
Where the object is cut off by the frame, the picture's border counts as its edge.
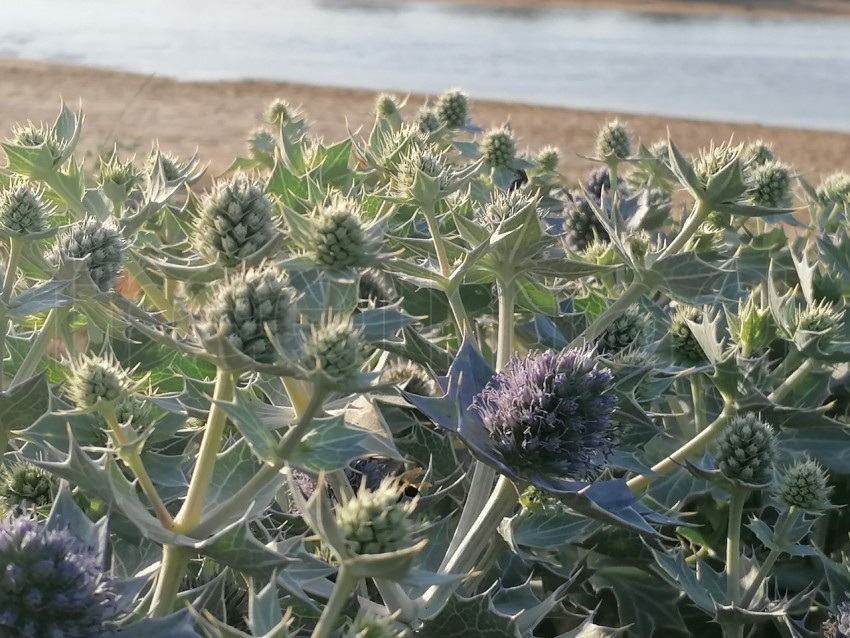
(757, 153)
(745, 450)
(805, 485)
(261, 143)
(710, 162)
(118, 173)
(599, 251)
(235, 221)
(428, 120)
(172, 167)
(453, 109)
(834, 189)
(613, 141)
(94, 380)
(31, 136)
(640, 243)
(821, 317)
(411, 378)
(133, 411)
(248, 306)
(499, 148)
(25, 484)
(376, 522)
(684, 345)
(279, 112)
(661, 150)
(770, 185)
(386, 105)
(504, 205)
(627, 331)
(548, 158)
(334, 350)
(431, 162)
(100, 244)
(340, 239)
(752, 329)
(22, 210)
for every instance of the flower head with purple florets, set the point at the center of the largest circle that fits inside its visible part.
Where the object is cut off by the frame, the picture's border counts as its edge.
(839, 625)
(550, 413)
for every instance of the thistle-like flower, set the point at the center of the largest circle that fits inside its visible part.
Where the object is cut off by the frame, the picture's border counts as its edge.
(549, 413)
(428, 120)
(25, 484)
(599, 251)
(505, 204)
(31, 136)
(805, 485)
(118, 173)
(280, 112)
(499, 148)
(581, 226)
(599, 180)
(757, 153)
(682, 340)
(613, 141)
(411, 378)
(131, 410)
(661, 150)
(52, 584)
(548, 158)
(839, 625)
(100, 244)
(172, 166)
(835, 189)
(386, 105)
(627, 331)
(93, 380)
(822, 319)
(745, 450)
(340, 239)
(713, 160)
(377, 522)
(453, 109)
(770, 185)
(235, 221)
(261, 143)
(429, 162)
(334, 350)
(247, 306)
(22, 210)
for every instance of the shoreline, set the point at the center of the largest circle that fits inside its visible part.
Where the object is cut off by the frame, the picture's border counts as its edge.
(216, 118)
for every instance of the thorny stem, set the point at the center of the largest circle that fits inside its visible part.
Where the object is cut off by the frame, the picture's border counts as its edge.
(733, 557)
(343, 588)
(780, 539)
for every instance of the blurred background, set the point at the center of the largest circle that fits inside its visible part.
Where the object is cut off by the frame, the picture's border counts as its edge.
(196, 74)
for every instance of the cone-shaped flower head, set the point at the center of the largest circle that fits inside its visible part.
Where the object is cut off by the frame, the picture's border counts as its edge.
(453, 109)
(411, 377)
(770, 185)
(805, 485)
(334, 350)
(30, 136)
(51, 584)
(613, 141)
(428, 120)
(499, 148)
(172, 167)
(339, 236)
(119, 173)
(627, 331)
(133, 410)
(839, 625)
(682, 340)
(377, 522)
(758, 153)
(581, 226)
(386, 105)
(550, 413)
(745, 450)
(235, 221)
(820, 317)
(22, 210)
(100, 244)
(248, 306)
(279, 112)
(710, 162)
(835, 189)
(599, 180)
(26, 484)
(92, 380)
(505, 204)
(548, 158)
(661, 150)
(432, 163)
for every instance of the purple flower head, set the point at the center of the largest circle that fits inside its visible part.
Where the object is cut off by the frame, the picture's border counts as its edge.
(52, 582)
(549, 413)
(839, 626)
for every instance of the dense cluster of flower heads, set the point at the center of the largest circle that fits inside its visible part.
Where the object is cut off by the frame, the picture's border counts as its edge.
(52, 585)
(550, 413)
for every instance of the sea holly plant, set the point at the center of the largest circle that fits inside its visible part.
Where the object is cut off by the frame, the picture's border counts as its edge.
(419, 382)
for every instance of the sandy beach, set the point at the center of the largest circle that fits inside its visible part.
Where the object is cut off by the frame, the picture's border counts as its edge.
(215, 118)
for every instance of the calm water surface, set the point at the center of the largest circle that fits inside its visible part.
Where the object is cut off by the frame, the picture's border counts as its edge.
(779, 72)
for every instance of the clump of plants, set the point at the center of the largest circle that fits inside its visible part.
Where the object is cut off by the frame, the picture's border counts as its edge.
(418, 383)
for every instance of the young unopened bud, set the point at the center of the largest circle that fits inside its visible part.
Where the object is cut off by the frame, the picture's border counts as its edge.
(599, 251)
(499, 148)
(757, 153)
(682, 340)
(835, 189)
(411, 378)
(805, 485)
(376, 522)
(133, 411)
(613, 141)
(116, 172)
(822, 317)
(22, 210)
(172, 167)
(340, 240)
(25, 484)
(100, 244)
(279, 112)
(661, 150)
(753, 327)
(428, 121)
(627, 331)
(745, 450)
(334, 350)
(770, 185)
(504, 205)
(386, 105)
(453, 109)
(94, 380)
(581, 225)
(31, 136)
(235, 221)
(548, 158)
(710, 162)
(248, 305)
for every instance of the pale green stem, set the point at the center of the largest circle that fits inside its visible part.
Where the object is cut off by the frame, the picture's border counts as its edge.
(507, 302)
(696, 445)
(15, 247)
(300, 393)
(770, 561)
(793, 379)
(396, 600)
(699, 402)
(175, 560)
(343, 588)
(190, 514)
(691, 225)
(455, 302)
(39, 345)
(733, 558)
(501, 503)
(131, 457)
(152, 292)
